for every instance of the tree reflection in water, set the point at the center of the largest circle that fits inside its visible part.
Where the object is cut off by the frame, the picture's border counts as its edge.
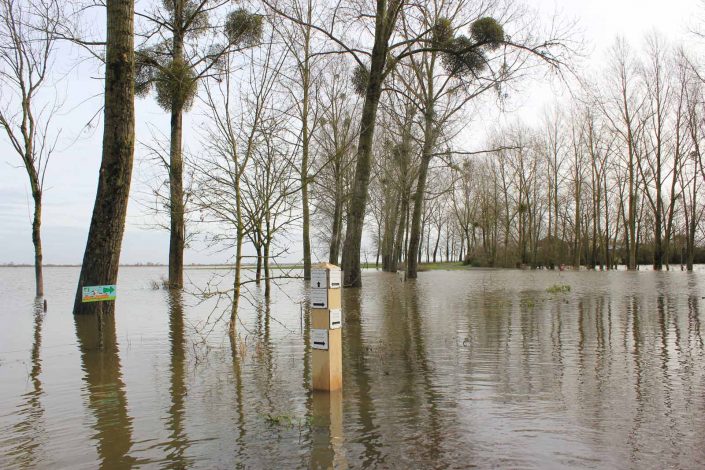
(178, 443)
(30, 429)
(104, 390)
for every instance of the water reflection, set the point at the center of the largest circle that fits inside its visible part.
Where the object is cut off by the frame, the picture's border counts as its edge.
(327, 440)
(451, 370)
(430, 439)
(30, 429)
(356, 378)
(237, 348)
(177, 445)
(104, 390)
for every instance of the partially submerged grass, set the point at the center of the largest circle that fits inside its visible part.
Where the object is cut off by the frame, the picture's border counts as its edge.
(287, 420)
(163, 283)
(558, 289)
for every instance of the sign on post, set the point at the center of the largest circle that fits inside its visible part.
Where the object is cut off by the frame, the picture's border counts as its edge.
(98, 293)
(336, 318)
(319, 279)
(319, 339)
(334, 280)
(325, 279)
(319, 298)
(326, 322)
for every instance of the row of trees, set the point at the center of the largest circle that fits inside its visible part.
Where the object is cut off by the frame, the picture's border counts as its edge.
(348, 114)
(614, 176)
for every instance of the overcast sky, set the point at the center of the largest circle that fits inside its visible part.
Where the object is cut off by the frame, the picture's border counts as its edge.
(72, 175)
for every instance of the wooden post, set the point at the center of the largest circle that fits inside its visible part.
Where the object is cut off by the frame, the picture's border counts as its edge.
(326, 323)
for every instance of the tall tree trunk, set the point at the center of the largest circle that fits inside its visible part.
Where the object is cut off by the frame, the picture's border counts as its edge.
(176, 234)
(37, 241)
(399, 242)
(631, 222)
(305, 144)
(240, 236)
(692, 226)
(258, 270)
(267, 273)
(658, 222)
(102, 256)
(337, 227)
(438, 240)
(384, 22)
(415, 236)
(390, 226)
(576, 243)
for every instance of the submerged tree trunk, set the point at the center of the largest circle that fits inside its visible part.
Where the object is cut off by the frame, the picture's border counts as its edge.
(37, 242)
(102, 256)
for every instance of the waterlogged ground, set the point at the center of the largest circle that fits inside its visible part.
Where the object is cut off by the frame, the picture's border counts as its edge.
(476, 368)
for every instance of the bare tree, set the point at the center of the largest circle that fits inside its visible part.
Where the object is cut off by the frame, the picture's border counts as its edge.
(237, 113)
(27, 40)
(622, 108)
(173, 61)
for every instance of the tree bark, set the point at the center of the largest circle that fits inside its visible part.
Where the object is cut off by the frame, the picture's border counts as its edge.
(102, 256)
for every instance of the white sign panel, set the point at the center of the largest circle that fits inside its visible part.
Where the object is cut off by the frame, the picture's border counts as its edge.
(334, 280)
(319, 279)
(319, 338)
(336, 318)
(319, 298)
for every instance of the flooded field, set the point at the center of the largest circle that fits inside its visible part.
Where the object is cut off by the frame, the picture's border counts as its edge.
(484, 368)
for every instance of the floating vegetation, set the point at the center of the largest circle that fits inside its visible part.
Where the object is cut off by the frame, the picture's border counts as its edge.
(558, 289)
(288, 420)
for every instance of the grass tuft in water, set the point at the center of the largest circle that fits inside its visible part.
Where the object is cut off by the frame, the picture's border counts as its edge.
(558, 289)
(163, 283)
(288, 420)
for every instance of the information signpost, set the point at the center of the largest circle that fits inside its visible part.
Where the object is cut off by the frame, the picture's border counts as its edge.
(326, 323)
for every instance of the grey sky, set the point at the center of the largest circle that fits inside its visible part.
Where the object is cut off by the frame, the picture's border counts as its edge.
(72, 175)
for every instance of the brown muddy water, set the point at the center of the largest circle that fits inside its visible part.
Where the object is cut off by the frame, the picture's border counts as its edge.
(481, 368)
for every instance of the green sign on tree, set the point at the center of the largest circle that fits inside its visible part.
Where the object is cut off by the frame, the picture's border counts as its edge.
(98, 293)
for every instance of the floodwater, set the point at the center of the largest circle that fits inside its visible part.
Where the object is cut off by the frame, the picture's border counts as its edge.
(480, 368)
